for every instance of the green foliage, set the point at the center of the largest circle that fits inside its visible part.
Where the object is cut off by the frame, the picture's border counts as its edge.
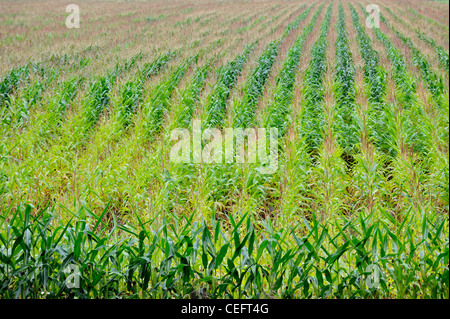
(374, 76)
(294, 25)
(131, 92)
(190, 96)
(254, 86)
(382, 129)
(215, 105)
(98, 96)
(66, 94)
(11, 82)
(434, 81)
(346, 123)
(278, 113)
(428, 19)
(406, 95)
(441, 53)
(309, 259)
(155, 108)
(244, 111)
(314, 229)
(313, 88)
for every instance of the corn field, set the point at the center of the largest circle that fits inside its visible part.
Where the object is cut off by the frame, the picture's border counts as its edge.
(357, 208)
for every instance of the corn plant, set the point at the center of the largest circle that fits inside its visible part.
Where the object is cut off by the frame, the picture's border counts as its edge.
(11, 83)
(31, 96)
(279, 111)
(374, 75)
(152, 69)
(97, 99)
(66, 94)
(93, 206)
(406, 95)
(254, 86)
(98, 96)
(344, 89)
(192, 259)
(428, 19)
(440, 52)
(190, 96)
(434, 81)
(155, 108)
(215, 105)
(244, 111)
(294, 25)
(264, 189)
(131, 92)
(223, 180)
(313, 88)
(382, 129)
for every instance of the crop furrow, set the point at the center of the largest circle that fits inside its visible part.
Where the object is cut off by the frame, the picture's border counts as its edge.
(215, 105)
(380, 114)
(434, 82)
(440, 52)
(98, 98)
(278, 113)
(405, 95)
(313, 89)
(156, 107)
(346, 123)
(131, 92)
(245, 109)
(190, 95)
